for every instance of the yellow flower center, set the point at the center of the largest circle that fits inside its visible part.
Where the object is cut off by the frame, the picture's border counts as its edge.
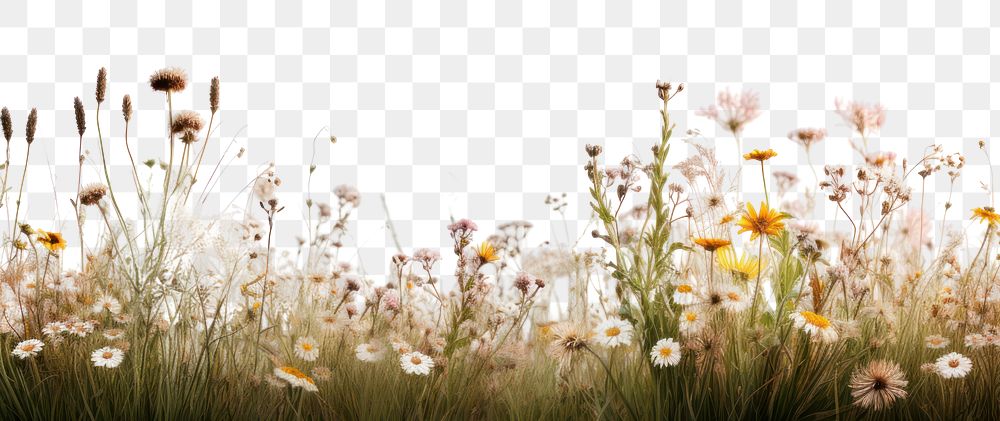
(684, 289)
(691, 317)
(815, 319)
(613, 331)
(107, 355)
(28, 347)
(307, 347)
(666, 351)
(733, 296)
(953, 363)
(416, 360)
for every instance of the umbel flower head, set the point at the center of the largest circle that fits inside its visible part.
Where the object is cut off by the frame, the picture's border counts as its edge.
(878, 385)
(168, 80)
(767, 222)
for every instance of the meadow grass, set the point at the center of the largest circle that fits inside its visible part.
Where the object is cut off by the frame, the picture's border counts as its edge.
(697, 304)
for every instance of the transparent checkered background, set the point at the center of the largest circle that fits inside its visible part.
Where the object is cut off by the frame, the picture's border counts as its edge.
(480, 109)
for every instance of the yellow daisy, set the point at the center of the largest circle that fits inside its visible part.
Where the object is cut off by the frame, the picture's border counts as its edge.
(53, 241)
(487, 253)
(767, 222)
(711, 244)
(986, 214)
(743, 266)
(759, 155)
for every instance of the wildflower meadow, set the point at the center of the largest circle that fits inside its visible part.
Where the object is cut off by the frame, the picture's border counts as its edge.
(698, 303)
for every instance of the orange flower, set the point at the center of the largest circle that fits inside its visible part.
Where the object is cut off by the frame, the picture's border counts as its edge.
(711, 244)
(759, 155)
(987, 215)
(767, 222)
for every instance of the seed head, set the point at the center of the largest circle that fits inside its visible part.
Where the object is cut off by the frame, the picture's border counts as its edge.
(8, 128)
(127, 108)
(102, 84)
(186, 121)
(29, 130)
(81, 120)
(92, 194)
(213, 95)
(168, 80)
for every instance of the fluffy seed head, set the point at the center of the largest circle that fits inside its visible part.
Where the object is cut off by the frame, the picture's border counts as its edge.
(92, 194)
(186, 121)
(877, 385)
(81, 120)
(102, 84)
(213, 95)
(168, 80)
(8, 128)
(29, 130)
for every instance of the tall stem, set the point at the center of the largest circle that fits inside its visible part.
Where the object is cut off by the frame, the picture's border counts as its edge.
(756, 288)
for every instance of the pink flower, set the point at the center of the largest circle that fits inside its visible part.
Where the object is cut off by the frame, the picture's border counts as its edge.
(863, 118)
(734, 111)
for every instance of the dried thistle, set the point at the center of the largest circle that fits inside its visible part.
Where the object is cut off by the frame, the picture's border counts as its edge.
(102, 84)
(186, 121)
(127, 108)
(8, 127)
(81, 120)
(168, 80)
(29, 130)
(213, 95)
(92, 194)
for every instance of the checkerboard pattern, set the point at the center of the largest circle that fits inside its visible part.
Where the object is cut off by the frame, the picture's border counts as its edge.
(480, 109)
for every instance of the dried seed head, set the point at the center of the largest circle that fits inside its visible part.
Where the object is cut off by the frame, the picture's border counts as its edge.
(168, 80)
(29, 130)
(213, 95)
(186, 121)
(127, 108)
(81, 120)
(92, 194)
(189, 137)
(8, 127)
(102, 84)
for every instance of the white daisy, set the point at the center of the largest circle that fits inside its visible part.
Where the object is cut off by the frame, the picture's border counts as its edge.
(107, 357)
(28, 348)
(953, 365)
(113, 334)
(665, 353)
(691, 322)
(306, 348)
(416, 363)
(402, 347)
(976, 340)
(328, 320)
(936, 341)
(815, 325)
(80, 328)
(296, 378)
(54, 328)
(734, 300)
(684, 294)
(107, 303)
(369, 352)
(614, 332)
